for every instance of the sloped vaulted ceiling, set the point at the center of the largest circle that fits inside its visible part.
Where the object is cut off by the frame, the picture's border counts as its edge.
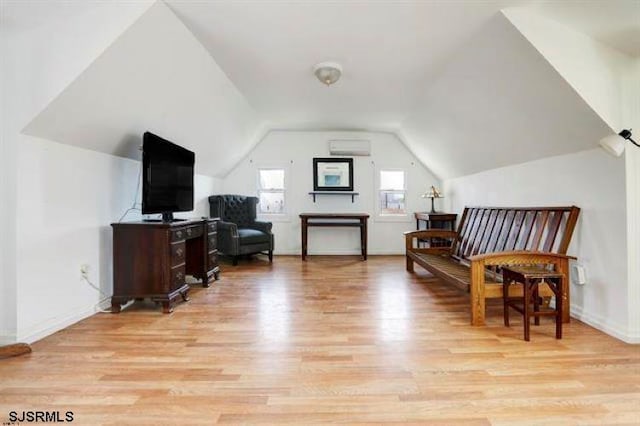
(156, 76)
(499, 102)
(466, 91)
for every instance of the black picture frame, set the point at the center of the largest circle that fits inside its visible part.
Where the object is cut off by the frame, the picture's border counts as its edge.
(333, 174)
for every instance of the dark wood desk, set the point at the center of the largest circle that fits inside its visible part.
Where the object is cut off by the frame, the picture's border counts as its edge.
(151, 259)
(332, 220)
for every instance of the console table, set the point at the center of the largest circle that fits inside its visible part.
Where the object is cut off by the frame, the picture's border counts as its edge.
(332, 220)
(152, 259)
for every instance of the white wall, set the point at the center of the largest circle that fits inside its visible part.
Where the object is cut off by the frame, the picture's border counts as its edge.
(67, 198)
(631, 117)
(57, 200)
(591, 180)
(295, 150)
(39, 57)
(7, 215)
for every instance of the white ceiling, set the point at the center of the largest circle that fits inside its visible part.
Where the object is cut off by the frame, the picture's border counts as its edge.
(389, 50)
(401, 72)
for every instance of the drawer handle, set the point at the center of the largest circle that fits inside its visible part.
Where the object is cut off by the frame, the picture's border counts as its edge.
(179, 252)
(179, 275)
(179, 234)
(189, 231)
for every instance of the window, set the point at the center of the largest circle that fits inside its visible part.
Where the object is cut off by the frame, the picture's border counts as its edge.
(271, 191)
(392, 192)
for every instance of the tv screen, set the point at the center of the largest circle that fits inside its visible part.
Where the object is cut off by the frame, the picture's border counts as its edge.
(167, 180)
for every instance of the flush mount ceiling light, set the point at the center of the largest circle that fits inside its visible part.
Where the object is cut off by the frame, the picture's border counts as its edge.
(614, 144)
(328, 72)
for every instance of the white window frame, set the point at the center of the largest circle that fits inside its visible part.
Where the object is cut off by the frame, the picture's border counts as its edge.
(274, 217)
(391, 217)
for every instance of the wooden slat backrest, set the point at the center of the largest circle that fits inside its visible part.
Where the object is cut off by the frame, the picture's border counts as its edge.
(495, 229)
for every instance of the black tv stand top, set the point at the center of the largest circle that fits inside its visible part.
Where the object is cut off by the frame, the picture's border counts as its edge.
(164, 221)
(157, 223)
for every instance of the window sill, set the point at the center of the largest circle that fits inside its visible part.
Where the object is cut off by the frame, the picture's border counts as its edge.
(280, 217)
(393, 218)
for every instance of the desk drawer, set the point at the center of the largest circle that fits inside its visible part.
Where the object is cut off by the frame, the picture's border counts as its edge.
(178, 251)
(193, 231)
(178, 234)
(177, 277)
(213, 260)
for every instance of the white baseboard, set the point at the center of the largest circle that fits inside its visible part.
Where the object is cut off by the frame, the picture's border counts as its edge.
(616, 330)
(46, 328)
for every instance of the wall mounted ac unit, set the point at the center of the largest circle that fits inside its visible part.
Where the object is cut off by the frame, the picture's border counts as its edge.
(352, 147)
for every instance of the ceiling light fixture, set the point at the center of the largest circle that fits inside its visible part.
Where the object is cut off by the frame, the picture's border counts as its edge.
(328, 72)
(614, 144)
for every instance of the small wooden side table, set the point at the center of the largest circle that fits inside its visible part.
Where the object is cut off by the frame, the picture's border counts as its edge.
(436, 220)
(531, 277)
(446, 221)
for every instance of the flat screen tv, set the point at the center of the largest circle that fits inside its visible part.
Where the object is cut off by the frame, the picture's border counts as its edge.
(167, 177)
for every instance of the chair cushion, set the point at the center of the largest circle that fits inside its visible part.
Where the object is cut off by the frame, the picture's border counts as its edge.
(252, 236)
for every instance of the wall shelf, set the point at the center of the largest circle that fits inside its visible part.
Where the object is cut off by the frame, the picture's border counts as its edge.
(350, 193)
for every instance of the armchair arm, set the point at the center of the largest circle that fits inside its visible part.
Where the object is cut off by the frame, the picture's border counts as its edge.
(228, 239)
(262, 226)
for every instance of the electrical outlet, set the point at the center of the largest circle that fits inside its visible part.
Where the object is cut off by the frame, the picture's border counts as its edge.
(84, 270)
(579, 275)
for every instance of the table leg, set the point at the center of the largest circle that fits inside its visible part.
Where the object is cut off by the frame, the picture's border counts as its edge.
(536, 302)
(363, 238)
(303, 227)
(505, 299)
(559, 308)
(525, 309)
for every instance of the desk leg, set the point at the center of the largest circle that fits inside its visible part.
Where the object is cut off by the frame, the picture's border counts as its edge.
(363, 238)
(303, 229)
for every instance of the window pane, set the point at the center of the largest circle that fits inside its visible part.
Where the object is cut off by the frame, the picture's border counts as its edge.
(272, 179)
(391, 202)
(271, 202)
(392, 179)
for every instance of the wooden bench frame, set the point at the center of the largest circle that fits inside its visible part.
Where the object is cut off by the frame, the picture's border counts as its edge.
(529, 247)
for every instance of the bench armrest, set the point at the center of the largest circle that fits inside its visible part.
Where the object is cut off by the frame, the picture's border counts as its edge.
(519, 258)
(481, 261)
(428, 234)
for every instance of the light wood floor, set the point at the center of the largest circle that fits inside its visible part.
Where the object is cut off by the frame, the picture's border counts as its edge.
(333, 339)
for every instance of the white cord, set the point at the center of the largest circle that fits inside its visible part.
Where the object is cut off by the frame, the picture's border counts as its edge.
(135, 198)
(99, 290)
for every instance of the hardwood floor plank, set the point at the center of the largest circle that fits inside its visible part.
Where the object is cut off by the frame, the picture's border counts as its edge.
(333, 339)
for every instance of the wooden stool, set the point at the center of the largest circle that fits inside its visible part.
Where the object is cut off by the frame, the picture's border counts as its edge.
(531, 277)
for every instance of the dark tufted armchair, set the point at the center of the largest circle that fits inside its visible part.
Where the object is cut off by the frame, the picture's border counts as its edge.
(238, 230)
